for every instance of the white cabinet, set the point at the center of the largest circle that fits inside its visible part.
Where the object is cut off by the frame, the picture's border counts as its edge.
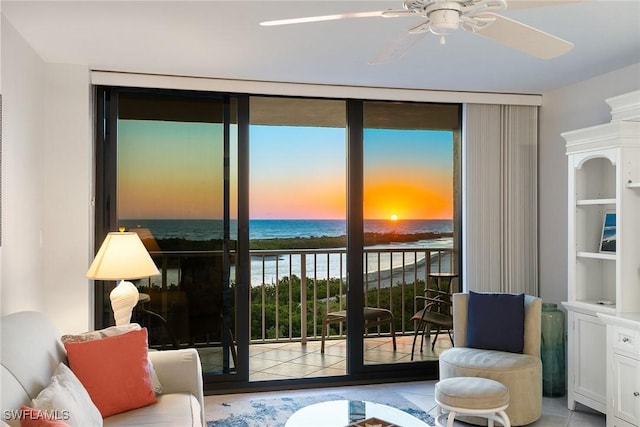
(587, 354)
(625, 395)
(623, 369)
(603, 182)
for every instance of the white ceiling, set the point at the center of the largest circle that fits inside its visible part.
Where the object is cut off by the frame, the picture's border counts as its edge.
(222, 39)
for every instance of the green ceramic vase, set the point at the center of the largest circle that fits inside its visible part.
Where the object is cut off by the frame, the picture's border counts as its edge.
(552, 351)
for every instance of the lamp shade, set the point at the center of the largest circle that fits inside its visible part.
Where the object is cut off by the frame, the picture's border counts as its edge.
(122, 256)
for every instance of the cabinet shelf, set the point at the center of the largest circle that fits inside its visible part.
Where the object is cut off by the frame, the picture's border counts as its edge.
(592, 306)
(590, 202)
(596, 255)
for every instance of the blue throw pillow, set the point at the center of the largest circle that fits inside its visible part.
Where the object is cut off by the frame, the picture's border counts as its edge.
(496, 322)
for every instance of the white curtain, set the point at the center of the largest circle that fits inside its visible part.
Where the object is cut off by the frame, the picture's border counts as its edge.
(500, 211)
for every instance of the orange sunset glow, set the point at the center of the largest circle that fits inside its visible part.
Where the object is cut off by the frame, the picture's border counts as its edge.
(407, 202)
(408, 174)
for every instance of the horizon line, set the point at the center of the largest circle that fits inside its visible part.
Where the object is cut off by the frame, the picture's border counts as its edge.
(284, 219)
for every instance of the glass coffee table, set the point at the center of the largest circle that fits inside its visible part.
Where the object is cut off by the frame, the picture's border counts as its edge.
(354, 413)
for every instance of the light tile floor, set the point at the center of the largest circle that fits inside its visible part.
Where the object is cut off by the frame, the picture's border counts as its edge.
(294, 360)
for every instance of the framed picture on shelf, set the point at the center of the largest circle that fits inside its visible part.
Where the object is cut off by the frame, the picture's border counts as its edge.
(608, 237)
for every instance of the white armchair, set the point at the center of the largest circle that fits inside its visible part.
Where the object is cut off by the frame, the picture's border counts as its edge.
(521, 373)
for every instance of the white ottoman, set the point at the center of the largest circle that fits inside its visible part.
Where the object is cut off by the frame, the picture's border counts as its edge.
(475, 396)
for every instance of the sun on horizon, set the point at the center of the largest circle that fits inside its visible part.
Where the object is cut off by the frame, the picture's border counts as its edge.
(393, 217)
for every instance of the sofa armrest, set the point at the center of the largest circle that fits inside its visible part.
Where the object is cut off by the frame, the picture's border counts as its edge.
(180, 371)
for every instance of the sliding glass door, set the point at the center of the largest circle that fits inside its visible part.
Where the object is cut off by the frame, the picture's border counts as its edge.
(410, 170)
(297, 237)
(176, 186)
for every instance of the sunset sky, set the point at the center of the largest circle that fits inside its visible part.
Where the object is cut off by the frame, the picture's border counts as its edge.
(174, 170)
(408, 173)
(169, 170)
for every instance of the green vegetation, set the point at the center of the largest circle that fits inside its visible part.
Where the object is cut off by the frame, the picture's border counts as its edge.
(399, 298)
(389, 298)
(281, 299)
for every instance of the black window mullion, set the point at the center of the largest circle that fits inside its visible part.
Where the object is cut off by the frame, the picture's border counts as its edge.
(105, 202)
(355, 236)
(226, 262)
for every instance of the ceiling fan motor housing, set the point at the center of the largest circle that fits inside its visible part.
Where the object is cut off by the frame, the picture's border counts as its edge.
(444, 21)
(443, 15)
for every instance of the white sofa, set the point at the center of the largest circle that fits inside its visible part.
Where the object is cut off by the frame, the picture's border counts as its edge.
(31, 351)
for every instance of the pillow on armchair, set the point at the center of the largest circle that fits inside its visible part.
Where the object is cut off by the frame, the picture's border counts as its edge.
(496, 321)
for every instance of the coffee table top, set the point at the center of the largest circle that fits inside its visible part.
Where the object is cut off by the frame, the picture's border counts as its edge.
(343, 413)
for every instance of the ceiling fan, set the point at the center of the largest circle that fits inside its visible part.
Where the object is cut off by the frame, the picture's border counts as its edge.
(442, 17)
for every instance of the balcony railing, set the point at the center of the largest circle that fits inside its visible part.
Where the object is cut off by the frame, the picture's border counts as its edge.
(394, 276)
(291, 290)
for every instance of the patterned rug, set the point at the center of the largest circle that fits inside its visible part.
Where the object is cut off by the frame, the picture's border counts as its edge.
(274, 412)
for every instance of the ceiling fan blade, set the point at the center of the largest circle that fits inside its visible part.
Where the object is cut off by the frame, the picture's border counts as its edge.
(397, 13)
(525, 38)
(397, 48)
(323, 18)
(527, 4)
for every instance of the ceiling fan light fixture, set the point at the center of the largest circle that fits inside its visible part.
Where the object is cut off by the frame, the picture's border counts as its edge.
(444, 21)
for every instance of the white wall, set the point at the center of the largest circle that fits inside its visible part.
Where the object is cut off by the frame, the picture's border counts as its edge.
(68, 187)
(22, 174)
(572, 107)
(47, 164)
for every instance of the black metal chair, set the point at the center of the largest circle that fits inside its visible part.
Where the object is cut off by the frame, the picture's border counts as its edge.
(437, 312)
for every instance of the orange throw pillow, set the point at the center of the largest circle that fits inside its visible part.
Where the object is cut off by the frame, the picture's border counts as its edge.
(30, 417)
(114, 371)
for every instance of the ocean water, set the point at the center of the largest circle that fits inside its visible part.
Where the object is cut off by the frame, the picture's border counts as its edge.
(269, 269)
(207, 229)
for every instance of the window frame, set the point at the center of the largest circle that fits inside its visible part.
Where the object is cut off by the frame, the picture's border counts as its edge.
(106, 215)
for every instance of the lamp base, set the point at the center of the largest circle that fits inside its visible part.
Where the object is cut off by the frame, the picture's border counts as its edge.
(123, 298)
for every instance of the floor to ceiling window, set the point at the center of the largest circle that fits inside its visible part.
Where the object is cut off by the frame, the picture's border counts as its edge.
(271, 218)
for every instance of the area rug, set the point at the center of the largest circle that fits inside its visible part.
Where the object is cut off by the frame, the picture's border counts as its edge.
(274, 412)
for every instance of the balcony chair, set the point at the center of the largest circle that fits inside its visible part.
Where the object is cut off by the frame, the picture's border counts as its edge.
(435, 313)
(148, 318)
(373, 316)
(497, 336)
